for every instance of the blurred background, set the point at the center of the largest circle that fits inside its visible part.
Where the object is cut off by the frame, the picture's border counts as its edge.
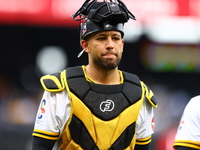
(39, 37)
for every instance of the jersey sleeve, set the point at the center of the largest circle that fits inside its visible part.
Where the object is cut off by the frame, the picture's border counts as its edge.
(188, 133)
(53, 113)
(145, 124)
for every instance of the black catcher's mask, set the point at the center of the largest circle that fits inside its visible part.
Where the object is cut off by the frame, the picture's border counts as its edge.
(101, 16)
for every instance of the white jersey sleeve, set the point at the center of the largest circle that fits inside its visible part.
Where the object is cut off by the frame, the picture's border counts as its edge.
(53, 113)
(188, 133)
(145, 123)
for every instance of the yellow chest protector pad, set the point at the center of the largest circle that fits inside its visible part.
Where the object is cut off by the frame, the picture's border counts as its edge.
(103, 116)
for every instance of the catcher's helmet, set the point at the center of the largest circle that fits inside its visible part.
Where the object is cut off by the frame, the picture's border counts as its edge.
(90, 26)
(102, 16)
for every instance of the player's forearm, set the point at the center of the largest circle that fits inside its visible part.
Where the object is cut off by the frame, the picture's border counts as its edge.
(141, 147)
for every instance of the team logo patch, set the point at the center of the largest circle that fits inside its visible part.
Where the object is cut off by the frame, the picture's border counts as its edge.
(42, 109)
(107, 105)
(181, 125)
(84, 28)
(152, 123)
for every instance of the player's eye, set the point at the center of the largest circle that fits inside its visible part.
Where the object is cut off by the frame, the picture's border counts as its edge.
(116, 38)
(101, 38)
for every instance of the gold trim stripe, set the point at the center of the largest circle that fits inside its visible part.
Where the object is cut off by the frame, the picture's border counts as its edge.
(143, 141)
(45, 134)
(187, 143)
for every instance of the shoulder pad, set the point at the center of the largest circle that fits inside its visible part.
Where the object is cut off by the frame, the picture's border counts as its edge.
(53, 82)
(150, 96)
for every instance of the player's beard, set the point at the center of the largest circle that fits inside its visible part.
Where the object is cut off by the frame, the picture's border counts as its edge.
(107, 64)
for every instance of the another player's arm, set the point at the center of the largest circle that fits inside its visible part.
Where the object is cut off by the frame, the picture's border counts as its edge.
(183, 148)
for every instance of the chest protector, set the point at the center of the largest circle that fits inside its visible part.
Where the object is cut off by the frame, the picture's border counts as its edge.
(103, 117)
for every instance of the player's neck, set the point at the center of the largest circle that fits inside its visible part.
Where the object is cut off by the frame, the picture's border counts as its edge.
(102, 76)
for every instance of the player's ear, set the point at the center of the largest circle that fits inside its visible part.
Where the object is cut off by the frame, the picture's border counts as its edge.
(84, 45)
